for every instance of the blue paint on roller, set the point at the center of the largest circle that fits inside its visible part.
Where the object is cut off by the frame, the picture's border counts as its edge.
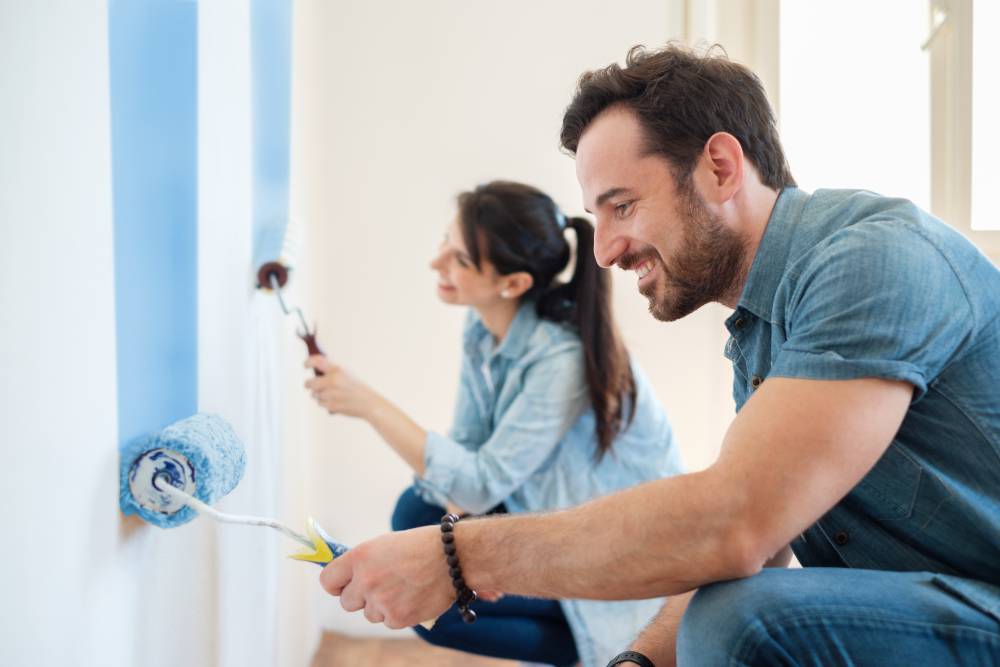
(213, 462)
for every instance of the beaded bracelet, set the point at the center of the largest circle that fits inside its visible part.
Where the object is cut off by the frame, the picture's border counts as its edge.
(631, 656)
(464, 596)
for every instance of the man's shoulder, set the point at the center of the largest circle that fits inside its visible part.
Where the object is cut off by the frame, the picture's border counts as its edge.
(858, 249)
(848, 228)
(839, 209)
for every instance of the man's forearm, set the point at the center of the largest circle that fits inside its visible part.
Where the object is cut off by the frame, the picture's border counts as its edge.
(658, 641)
(660, 538)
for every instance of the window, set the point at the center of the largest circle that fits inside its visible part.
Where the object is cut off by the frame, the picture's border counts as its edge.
(854, 96)
(964, 107)
(985, 111)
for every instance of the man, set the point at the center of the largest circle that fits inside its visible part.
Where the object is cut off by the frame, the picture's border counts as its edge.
(865, 340)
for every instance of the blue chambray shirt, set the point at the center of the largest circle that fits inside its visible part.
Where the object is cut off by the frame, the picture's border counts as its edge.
(849, 284)
(523, 435)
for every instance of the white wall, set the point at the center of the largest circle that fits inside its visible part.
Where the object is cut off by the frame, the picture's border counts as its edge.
(80, 584)
(66, 573)
(398, 107)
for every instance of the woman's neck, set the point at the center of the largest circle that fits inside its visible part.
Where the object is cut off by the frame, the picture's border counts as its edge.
(497, 318)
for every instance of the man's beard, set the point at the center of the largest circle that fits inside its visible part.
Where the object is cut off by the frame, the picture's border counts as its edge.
(708, 266)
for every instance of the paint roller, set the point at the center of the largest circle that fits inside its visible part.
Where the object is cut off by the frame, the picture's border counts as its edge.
(169, 477)
(276, 247)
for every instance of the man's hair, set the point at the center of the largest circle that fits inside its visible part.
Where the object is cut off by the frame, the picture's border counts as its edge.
(681, 98)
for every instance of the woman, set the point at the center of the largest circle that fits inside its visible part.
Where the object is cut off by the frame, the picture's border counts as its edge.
(550, 413)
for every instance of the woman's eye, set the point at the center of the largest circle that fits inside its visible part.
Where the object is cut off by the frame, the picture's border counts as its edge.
(462, 262)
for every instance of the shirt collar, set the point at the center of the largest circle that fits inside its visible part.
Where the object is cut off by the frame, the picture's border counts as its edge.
(773, 254)
(518, 334)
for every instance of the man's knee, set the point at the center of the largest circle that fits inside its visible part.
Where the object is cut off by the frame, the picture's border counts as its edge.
(730, 619)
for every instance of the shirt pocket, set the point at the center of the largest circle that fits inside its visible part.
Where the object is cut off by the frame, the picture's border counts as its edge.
(900, 490)
(889, 491)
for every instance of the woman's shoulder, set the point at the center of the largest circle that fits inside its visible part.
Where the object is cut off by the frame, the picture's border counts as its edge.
(553, 339)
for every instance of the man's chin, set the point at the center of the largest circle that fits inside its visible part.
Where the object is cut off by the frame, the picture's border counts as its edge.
(659, 307)
(662, 313)
(665, 309)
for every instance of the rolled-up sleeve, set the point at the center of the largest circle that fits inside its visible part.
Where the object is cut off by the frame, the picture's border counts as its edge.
(553, 394)
(858, 310)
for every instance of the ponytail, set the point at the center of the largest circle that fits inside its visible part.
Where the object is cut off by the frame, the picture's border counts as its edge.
(585, 301)
(520, 228)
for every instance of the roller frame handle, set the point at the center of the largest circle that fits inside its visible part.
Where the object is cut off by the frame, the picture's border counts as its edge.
(337, 549)
(310, 340)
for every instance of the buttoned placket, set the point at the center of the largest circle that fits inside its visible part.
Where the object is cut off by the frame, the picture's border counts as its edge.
(740, 327)
(735, 350)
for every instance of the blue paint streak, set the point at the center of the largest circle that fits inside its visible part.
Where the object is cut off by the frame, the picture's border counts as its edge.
(271, 53)
(153, 47)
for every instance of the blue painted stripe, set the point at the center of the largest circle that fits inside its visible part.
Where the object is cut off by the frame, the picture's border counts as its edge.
(271, 53)
(154, 137)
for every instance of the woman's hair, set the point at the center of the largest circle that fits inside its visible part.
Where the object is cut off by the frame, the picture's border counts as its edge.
(519, 228)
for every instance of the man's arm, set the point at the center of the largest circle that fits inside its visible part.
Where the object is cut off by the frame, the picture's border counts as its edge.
(795, 449)
(658, 640)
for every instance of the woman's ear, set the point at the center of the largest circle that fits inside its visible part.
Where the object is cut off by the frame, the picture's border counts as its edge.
(513, 285)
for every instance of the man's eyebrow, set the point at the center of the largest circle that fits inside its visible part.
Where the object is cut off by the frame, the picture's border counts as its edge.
(606, 195)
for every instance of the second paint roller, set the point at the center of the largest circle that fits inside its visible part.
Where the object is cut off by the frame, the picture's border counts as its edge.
(167, 478)
(277, 248)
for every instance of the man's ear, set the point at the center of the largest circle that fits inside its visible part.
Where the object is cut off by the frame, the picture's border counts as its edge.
(720, 169)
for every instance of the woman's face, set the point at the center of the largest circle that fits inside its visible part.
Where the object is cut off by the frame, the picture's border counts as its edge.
(459, 281)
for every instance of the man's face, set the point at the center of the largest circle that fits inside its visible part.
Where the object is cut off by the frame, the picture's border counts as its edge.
(683, 255)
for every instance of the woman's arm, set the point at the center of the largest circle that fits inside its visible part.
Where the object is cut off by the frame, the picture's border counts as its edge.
(552, 396)
(341, 393)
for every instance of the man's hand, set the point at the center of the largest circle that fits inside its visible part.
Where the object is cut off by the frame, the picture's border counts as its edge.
(399, 579)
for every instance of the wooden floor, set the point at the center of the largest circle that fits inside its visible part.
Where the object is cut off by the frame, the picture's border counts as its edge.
(336, 650)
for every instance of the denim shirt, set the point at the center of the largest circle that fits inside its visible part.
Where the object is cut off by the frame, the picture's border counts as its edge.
(524, 435)
(849, 284)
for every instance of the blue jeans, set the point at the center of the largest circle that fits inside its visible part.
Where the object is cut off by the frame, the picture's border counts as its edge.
(836, 616)
(515, 628)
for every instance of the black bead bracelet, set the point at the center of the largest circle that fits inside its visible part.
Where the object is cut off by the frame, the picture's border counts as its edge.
(464, 596)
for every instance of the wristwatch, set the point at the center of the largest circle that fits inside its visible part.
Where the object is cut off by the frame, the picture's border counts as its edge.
(631, 656)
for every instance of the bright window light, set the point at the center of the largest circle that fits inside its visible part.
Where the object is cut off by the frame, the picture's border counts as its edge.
(985, 112)
(854, 95)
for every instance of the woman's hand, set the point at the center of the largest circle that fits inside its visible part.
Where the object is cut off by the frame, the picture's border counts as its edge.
(338, 391)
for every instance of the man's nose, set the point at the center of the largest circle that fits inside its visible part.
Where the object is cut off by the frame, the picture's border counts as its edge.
(608, 246)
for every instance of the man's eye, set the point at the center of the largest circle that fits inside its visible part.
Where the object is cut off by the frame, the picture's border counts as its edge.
(622, 209)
